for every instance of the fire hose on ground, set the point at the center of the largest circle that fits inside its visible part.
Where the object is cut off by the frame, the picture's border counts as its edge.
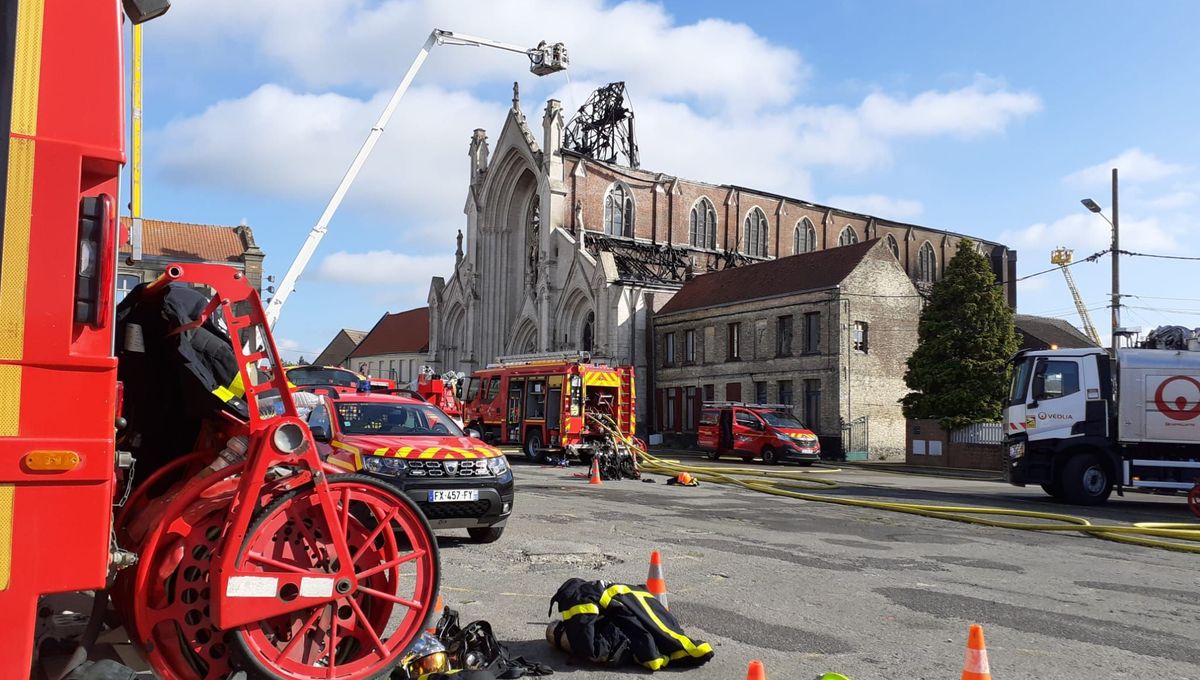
(1182, 537)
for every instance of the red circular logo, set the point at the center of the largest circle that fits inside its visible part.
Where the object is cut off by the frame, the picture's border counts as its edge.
(1180, 411)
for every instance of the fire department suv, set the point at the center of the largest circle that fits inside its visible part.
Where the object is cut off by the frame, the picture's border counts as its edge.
(766, 431)
(458, 481)
(550, 404)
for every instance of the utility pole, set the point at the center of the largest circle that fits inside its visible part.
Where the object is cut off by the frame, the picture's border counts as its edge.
(1116, 265)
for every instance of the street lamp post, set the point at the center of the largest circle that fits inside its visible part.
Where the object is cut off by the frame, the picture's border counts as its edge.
(1115, 255)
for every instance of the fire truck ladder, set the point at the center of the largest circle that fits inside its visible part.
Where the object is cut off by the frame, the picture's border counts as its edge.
(625, 405)
(1062, 258)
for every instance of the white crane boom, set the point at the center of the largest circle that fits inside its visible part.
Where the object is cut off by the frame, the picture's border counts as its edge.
(544, 59)
(1062, 258)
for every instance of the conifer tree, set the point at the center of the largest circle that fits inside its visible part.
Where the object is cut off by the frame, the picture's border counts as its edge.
(965, 339)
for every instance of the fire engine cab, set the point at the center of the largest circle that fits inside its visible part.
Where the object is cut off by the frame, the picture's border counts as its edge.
(551, 403)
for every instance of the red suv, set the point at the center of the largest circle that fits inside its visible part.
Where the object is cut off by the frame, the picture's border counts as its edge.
(767, 431)
(458, 481)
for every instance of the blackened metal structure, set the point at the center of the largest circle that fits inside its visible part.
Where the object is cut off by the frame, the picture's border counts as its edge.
(603, 127)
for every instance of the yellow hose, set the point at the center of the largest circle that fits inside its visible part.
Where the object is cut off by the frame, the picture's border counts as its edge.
(785, 483)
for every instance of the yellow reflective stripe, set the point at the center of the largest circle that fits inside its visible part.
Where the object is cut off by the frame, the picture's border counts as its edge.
(402, 451)
(586, 608)
(619, 589)
(27, 68)
(345, 447)
(224, 394)
(467, 453)
(341, 463)
(691, 648)
(381, 451)
(430, 452)
(6, 525)
(655, 664)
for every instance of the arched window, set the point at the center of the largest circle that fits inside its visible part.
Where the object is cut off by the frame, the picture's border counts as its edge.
(587, 335)
(618, 211)
(804, 239)
(703, 225)
(756, 233)
(848, 236)
(893, 246)
(926, 264)
(533, 226)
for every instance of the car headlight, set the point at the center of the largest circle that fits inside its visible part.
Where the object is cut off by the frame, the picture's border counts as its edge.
(783, 437)
(389, 467)
(1016, 450)
(498, 465)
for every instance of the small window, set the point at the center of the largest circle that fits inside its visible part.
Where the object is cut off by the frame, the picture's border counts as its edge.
(535, 400)
(926, 264)
(689, 347)
(689, 408)
(860, 336)
(702, 231)
(126, 283)
(618, 211)
(1056, 379)
(747, 418)
(669, 410)
(760, 392)
(735, 342)
(493, 389)
(756, 236)
(783, 336)
(708, 417)
(473, 388)
(848, 237)
(669, 349)
(785, 391)
(804, 239)
(710, 392)
(812, 403)
(812, 332)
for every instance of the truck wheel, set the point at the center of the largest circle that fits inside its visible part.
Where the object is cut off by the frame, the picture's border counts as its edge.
(1054, 488)
(533, 447)
(1085, 480)
(770, 456)
(485, 534)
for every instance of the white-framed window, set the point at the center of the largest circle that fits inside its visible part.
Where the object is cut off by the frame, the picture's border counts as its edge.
(804, 238)
(861, 337)
(756, 233)
(702, 225)
(848, 236)
(893, 246)
(926, 263)
(126, 283)
(618, 211)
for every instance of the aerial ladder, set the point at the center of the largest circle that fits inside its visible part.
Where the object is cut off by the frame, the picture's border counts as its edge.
(1062, 258)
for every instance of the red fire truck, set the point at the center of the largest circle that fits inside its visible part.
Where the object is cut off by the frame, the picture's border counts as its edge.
(245, 551)
(442, 391)
(543, 402)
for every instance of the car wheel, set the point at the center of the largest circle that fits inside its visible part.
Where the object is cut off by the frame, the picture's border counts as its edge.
(1085, 480)
(770, 456)
(533, 446)
(485, 534)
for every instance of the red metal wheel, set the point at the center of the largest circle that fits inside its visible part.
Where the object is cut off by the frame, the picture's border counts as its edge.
(1194, 500)
(363, 633)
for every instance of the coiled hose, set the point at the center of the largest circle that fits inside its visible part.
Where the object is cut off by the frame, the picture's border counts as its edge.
(799, 484)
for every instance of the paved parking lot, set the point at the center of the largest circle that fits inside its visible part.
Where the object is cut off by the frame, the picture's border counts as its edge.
(813, 587)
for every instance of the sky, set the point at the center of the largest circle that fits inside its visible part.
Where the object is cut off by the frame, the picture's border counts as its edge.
(991, 119)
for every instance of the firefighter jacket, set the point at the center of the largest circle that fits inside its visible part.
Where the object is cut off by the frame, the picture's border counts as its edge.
(614, 624)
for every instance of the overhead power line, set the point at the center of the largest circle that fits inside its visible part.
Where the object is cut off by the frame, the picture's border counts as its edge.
(1160, 257)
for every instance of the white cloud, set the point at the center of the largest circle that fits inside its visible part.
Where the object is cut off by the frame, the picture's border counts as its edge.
(383, 268)
(1133, 166)
(1171, 201)
(1086, 233)
(984, 107)
(879, 206)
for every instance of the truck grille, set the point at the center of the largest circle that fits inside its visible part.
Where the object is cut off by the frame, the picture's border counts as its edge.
(448, 468)
(456, 510)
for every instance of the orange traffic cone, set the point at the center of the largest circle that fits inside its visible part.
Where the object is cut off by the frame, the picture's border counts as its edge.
(655, 583)
(976, 665)
(756, 671)
(595, 472)
(436, 616)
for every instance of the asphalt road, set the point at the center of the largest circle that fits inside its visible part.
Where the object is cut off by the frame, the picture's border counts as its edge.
(815, 587)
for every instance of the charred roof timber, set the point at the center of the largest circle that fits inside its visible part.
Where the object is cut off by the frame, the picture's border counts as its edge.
(602, 129)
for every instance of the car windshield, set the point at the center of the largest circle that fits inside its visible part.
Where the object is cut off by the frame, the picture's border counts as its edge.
(410, 420)
(338, 377)
(781, 419)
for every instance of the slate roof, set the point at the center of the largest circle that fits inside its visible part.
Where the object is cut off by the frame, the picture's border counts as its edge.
(184, 240)
(345, 342)
(399, 333)
(793, 274)
(1039, 332)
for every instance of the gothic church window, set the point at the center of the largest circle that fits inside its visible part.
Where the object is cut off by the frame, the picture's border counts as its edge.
(703, 225)
(926, 264)
(618, 211)
(533, 226)
(848, 237)
(756, 233)
(588, 334)
(804, 239)
(893, 246)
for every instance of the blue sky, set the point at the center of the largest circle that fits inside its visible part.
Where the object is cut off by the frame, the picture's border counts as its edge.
(991, 119)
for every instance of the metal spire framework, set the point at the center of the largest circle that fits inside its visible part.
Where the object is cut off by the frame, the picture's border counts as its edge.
(603, 128)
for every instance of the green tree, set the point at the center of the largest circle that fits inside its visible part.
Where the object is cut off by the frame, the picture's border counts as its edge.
(965, 339)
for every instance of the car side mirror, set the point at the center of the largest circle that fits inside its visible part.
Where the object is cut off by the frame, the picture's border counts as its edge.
(474, 434)
(1039, 387)
(320, 433)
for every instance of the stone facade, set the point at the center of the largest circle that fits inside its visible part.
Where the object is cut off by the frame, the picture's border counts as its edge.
(832, 375)
(563, 252)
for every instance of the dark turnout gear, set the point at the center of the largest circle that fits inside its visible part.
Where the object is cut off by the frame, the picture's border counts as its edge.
(611, 623)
